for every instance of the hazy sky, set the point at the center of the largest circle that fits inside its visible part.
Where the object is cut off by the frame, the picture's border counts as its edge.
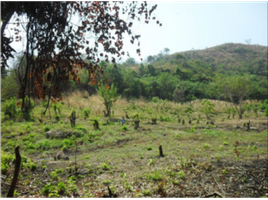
(198, 25)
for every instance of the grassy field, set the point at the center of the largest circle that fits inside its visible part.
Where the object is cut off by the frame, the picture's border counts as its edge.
(200, 159)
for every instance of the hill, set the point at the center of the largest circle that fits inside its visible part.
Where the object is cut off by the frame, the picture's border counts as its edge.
(229, 56)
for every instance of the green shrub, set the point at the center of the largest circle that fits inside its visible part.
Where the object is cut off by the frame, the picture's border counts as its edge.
(86, 113)
(44, 144)
(10, 109)
(6, 159)
(50, 190)
(156, 176)
(124, 128)
(105, 166)
(149, 148)
(61, 187)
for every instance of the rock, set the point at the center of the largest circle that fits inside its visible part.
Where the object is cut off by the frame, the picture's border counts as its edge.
(60, 134)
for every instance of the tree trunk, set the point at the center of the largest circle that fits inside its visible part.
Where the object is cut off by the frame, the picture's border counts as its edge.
(16, 173)
(161, 151)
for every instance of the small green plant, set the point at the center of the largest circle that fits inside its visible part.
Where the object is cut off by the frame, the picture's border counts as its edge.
(193, 128)
(128, 187)
(151, 162)
(206, 146)
(149, 148)
(54, 175)
(105, 166)
(50, 190)
(11, 109)
(61, 187)
(181, 174)
(146, 193)
(87, 157)
(86, 113)
(124, 128)
(225, 143)
(224, 172)
(155, 176)
(106, 182)
(71, 185)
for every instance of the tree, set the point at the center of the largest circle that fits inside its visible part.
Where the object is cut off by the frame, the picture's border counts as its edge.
(235, 89)
(150, 59)
(130, 61)
(55, 40)
(166, 50)
(109, 95)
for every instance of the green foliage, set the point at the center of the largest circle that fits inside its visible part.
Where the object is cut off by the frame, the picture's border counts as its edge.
(44, 144)
(9, 86)
(104, 166)
(109, 96)
(149, 148)
(124, 128)
(10, 109)
(155, 176)
(50, 190)
(6, 160)
(61, 187)
(208, 108)
(86, 113)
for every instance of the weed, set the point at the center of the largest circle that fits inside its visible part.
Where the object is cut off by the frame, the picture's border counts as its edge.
(61, 187)
(206, 146)
(50, 190)
(128, 187)
(146, 193)
(224, 172)
(225, 143)
(151, 162)
(105, 166)
(124, 128)
(87, 157)
(149, 148)
(181, 174)
(155, 176)
(54, 175)
(106, 182)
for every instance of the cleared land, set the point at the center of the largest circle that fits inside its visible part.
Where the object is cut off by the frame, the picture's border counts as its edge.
(200, 159)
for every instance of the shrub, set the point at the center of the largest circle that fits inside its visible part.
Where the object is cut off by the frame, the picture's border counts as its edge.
(6, 159)
(10, 109)
(105, 166)
(124, 128)
(44, 144)
(86, 113)
(62, 189)
(156, 176)
(149, 148)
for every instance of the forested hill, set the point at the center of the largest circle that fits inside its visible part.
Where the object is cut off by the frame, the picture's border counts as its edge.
(232, 57)
(179, 77)
(192, 74)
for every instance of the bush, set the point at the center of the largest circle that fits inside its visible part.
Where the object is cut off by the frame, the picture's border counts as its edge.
(10, 109)
(6, 159)
(86, 113)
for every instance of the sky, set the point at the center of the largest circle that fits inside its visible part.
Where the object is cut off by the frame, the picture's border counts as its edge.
(187, 26)
(198, 25)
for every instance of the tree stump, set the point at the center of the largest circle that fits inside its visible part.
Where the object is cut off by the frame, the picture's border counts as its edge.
(137, 124)
(248, 125)
(96, 125)
(161, 151)
(73, 118)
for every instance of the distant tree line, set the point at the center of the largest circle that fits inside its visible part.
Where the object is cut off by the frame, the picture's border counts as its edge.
(174, 78)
